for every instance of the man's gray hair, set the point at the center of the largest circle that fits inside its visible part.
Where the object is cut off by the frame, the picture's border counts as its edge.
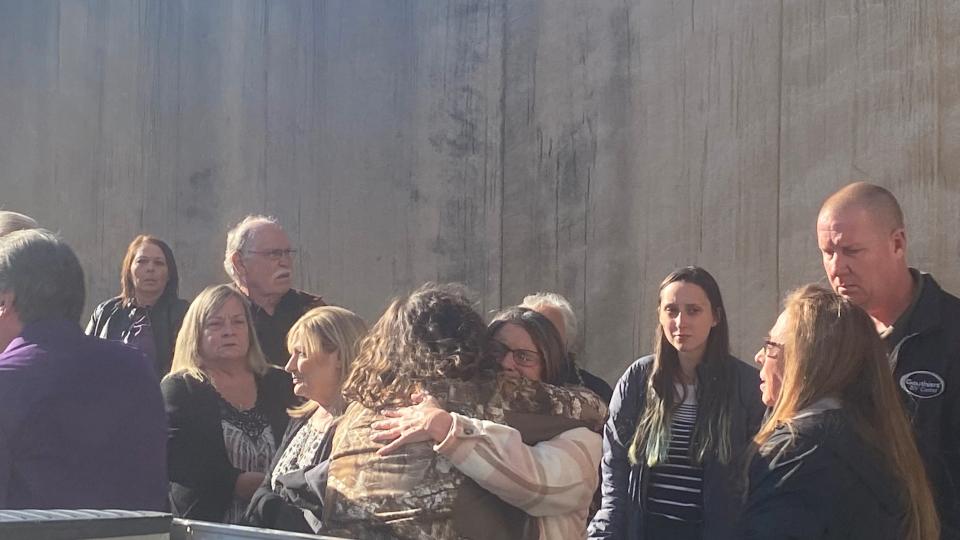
(239, 237)
(15, 221)
(561, 304)
(44, 275)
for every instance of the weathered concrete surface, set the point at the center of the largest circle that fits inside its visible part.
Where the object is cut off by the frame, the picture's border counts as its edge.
(582, 147)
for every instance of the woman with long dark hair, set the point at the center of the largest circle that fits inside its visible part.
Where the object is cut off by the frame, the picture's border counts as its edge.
(679, 418)
(835, 458)
(148, 312)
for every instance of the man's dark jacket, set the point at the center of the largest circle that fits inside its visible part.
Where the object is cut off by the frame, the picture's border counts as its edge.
(623, 485)
(927, 372)
(272, 329)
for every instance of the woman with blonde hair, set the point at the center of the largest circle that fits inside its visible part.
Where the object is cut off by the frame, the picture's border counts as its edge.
(323, 344)
(836, 457)
(226, 409)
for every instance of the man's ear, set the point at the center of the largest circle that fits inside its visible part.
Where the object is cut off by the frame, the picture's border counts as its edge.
(238, 268)
(899, 239)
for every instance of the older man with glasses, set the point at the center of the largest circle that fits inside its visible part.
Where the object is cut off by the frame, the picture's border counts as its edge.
(259, 259)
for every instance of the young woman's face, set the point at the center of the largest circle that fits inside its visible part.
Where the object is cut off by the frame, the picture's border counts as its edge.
(316, 376)
(226, 336)
(149, 270)
(686, 317)
(522, 357)
(770, 360)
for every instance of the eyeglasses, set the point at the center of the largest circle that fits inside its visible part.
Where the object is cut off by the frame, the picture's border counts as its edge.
(771, 349)
(522, 357)
(275, 254)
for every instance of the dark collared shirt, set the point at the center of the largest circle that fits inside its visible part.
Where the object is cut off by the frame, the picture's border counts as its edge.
(893, 335)
(82, 423)
(272, 329)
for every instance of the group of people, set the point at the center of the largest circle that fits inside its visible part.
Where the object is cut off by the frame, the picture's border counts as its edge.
(258, 404)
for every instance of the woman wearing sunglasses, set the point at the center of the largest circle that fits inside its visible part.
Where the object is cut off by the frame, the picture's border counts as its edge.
(679, 419)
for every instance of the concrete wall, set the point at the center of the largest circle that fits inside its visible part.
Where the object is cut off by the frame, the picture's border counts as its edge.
(582, 147)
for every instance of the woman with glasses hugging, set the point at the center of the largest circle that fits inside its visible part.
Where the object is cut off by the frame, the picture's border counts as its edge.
(835, 458)
(549, 476)
(679, 419)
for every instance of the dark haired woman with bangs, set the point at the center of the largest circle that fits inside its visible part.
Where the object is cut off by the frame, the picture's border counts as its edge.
(148, 313)
(679, 420)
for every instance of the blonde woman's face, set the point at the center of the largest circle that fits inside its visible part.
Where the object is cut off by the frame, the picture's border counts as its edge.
(316, 376)
(770, 360)
(226, 336)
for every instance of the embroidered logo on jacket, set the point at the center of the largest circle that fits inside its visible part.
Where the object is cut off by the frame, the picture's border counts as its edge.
(922, 384)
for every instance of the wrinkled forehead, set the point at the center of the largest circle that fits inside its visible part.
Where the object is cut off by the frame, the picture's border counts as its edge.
(228, 307)
(845, 226)
(268, 236)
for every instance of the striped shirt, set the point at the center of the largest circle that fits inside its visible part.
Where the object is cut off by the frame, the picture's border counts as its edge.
(676, 487)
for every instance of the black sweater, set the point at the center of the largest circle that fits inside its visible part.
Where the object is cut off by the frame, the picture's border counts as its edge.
(202, 479)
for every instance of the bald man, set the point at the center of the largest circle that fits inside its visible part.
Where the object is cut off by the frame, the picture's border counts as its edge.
(863, 243)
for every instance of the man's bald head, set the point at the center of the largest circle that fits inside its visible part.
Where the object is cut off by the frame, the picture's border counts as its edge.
(874, 200)
(863, 245)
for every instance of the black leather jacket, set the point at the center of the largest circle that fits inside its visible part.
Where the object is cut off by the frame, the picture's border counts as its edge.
(113, 318)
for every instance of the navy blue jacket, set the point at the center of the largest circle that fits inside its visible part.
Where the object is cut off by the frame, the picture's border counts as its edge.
(621, 514)
(817, 480)
(927, 372)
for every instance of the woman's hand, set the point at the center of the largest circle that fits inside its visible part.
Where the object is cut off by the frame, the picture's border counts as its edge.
(425, 421)
(247, 484)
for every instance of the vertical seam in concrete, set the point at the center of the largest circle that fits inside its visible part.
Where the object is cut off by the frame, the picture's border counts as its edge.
(56, 146)
(179, 120)
(779, 143)
(265, 52)
(938, 117)
(505, 49)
